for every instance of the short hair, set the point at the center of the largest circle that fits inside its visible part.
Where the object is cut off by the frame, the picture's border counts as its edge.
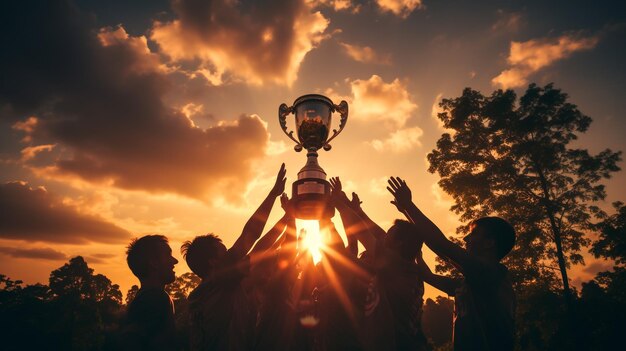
(405, 233)
(140, 250)
(198, 251)
(500, 231)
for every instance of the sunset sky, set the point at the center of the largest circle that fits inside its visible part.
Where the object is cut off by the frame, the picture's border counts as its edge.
(125, 118)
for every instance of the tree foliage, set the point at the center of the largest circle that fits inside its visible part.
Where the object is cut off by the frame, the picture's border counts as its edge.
(611, 243)
(437, 321)
(75, 278)
(514, 158)
(74, 312)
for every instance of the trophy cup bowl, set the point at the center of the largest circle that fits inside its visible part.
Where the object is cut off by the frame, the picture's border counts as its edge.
(313, 117)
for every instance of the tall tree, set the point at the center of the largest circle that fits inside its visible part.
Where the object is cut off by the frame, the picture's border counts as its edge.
(513, 158)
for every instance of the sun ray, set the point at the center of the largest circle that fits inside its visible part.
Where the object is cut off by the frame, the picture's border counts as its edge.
(311, 238)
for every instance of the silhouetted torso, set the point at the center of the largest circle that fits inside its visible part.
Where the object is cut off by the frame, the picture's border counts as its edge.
(404, 291)
(392, 303)
(221, 317)
(149, 322)
(485, 310)
(278, 326)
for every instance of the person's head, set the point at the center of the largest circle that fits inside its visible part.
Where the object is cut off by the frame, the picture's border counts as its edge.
(150, 259)
(403, 239)
(490, 236)
(202, 253)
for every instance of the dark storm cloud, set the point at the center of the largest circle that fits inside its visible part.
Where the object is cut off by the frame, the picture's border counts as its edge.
(36, 215)
(44, 253)
(97, 96)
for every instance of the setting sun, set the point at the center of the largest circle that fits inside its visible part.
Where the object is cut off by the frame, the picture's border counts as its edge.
(311, 238)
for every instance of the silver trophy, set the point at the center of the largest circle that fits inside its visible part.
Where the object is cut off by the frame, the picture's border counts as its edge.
(311, 192)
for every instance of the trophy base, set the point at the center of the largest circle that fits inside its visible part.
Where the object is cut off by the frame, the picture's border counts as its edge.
(312, 199)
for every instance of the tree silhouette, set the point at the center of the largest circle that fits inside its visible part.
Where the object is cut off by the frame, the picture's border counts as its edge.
(611, 243)
(85, 304)
(182, 286)
(132, 292)
(513, 158)
(75, 312)
(437, 321)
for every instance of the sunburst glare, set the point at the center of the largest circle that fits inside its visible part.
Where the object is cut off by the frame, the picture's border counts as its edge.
(311, 238)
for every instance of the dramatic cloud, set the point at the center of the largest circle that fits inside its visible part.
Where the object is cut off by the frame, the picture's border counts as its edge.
(256, 41)
(340, 5)
(365, 54)
(526, 58)
(401, 8)
(94, 108)
(44, 253)
(36, 215)
(375, 100)
(399, 141)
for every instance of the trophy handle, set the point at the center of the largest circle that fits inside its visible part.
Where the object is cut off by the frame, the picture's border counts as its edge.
(342, 108)
(283, 111)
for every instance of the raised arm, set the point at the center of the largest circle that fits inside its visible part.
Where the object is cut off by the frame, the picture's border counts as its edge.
(375, 229)
(254, 227)
(354, 225)
(443, 283)
(432, 236)
(268, 240)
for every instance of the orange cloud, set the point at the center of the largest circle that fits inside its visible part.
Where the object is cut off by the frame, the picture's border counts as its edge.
(375, 100)
(99, 97)
(400, 8)
(36, 215)
(526, 58)
(259, 42)
(29, 153)
(399, 141)
(365, 54)
(340, 5)
(27, 126)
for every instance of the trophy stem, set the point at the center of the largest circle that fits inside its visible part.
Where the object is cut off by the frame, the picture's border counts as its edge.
(312, 169)
(312, 190)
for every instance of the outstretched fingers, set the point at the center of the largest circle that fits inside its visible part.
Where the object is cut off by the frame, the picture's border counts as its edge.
(282, 172)
(281, 179)
(335, 183)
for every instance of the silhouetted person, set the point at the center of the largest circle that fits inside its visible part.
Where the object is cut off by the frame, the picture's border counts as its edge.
(484, 298)
(403, 285)
(286, 284)
(221, 316)
(392, 301)
(149, 323)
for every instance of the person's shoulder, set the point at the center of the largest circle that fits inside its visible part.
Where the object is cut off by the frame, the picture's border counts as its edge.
(151, 296)
(487, 271)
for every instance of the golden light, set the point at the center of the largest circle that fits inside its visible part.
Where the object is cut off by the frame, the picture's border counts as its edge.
(311, 238)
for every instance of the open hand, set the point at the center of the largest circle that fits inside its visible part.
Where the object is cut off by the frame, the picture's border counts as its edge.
(355, 203)
(279, 185)
(287, 205)
(401, 193)
(335, 183)
(337, 195)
